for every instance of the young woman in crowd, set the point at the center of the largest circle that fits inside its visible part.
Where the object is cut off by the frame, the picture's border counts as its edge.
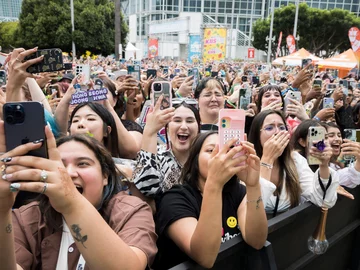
(210, 94)
(157, 171)
(287, 172)
(81, 221)
(211, 206)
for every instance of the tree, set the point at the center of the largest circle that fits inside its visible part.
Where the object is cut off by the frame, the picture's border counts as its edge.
(47, 24)
(319, 30)
(7, 31)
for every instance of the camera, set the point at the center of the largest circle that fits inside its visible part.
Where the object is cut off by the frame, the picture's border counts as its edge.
(314, 132)
(15, 114)
(157, 87)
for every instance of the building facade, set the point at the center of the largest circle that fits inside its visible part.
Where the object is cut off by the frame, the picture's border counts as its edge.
(10, 10)
(160, 18)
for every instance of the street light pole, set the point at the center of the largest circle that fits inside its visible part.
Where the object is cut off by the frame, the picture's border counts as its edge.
(72, 29)
(296, 17)
(271, 30)
(251, 21)
(118, 52)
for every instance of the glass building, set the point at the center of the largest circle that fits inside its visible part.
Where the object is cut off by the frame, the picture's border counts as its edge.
(10, 10)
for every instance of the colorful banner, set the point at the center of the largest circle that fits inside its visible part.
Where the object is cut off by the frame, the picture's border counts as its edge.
(153, 48)
(194, 53)
(291, 43)
(214, 44)
(354, 36)
(279, 44)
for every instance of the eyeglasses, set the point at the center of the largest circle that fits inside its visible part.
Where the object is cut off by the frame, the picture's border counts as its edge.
(271, 129)
(190, 101)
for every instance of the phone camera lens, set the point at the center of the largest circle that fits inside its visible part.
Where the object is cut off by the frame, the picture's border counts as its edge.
(157, 87)
(9, 119)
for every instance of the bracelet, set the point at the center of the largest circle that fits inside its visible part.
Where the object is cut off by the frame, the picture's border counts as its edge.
(178, 95)
(266, 165)
(316, 118)
(255, 201)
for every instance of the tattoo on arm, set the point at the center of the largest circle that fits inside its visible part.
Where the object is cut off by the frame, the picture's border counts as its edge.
(78, 237)
(8, 228)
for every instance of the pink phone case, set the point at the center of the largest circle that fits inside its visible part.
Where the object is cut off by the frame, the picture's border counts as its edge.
(231, 124)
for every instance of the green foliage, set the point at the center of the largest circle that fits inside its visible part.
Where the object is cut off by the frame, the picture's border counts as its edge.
(319, 30)
(7, 34)
(47, 24)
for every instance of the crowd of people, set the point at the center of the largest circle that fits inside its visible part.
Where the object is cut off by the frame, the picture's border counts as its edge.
(131, 184)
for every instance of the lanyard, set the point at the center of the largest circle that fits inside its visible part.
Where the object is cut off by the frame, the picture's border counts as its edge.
(323, 187)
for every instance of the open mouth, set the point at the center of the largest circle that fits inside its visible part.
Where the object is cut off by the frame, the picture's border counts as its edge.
(336, 147)
(183, 137)
(80, 189)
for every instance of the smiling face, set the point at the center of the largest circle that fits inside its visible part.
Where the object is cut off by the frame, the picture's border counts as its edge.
(84, 169)
(86, 120)
(182, 129)
(334, 139)
(270, 96)
(211, 99)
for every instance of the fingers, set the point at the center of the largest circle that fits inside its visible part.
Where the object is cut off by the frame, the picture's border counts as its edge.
(37, 187)
(31, 62)
(158, 103)
(2, 138)
(25, 175)
(340, 190)
(228, 145)
(23, 149)
(53, 153)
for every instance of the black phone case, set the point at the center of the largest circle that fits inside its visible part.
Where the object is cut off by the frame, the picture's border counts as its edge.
(31, 129)
(53, 61)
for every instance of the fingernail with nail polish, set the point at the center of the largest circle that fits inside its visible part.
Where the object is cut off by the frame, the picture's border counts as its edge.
(6, 176)
(7, 159)
(38, 141)
(14, 187)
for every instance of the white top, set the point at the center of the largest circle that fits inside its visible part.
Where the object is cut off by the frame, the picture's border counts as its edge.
(348, 177)
(309, 184)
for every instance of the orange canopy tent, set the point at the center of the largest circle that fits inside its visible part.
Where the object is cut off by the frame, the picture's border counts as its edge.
(343, 62)
(295, 58)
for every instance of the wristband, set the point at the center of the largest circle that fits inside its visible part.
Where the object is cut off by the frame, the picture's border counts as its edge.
(316, 118)
(178, 95)
(266, 165)
(255, 201)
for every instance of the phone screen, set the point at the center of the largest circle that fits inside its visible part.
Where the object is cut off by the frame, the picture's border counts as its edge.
(195, 73)
(2, 77)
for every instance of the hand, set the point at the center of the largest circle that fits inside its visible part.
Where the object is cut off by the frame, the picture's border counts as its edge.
(338, 104)
(303, 76)
(338, 94)
(129, 84)
(325, 114)
(157, 119)
(323, 156)
(146, 85)
(274, 146)
(315, 92)
(177, 81)
(53, 102)
(17, 68)
(102, 75)
(185, 89)
(2, 102)
(340, 190)
(275, 105)
(45, 79)
(297, 109)
(251, 175)
(222, 165)
(60, 188)
(351, 148)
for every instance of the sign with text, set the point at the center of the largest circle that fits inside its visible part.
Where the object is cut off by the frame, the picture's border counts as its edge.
(251, 53)
(214, 42)
(88, 96)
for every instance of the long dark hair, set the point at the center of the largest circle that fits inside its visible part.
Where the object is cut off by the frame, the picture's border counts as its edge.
(191, 170)
(265, 89)
(286, 162)
(111, 140)
(53, 218)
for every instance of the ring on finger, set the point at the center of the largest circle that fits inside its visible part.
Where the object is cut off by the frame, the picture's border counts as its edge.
(3, 169)
(45, 187)
(43, 175)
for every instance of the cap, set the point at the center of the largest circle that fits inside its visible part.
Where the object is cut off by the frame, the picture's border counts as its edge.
(67, 77)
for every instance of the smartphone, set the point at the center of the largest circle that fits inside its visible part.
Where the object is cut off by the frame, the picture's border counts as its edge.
(24, 122)
(255, 80)
(54, 88)
(351, 135)
(162, 88)
(291, 95)
(305, 62)
(315, 134)
(328, 102)
(331, 86)
(317, 83)
(134, 70)
(151, 72)
(166, 71)
(231, 125)
(177, 71)
(244, 78)
(195, 73)
(190, 72)
(53, 61)
(98, 84)
(67, 66)
(345, 83)
(82, 72)
(2, 77)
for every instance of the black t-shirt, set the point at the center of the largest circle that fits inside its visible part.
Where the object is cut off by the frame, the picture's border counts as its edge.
(185, 201)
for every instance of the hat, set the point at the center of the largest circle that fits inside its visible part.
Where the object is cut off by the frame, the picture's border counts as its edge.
(67, 77)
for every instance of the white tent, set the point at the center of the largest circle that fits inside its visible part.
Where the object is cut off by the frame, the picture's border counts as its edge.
(295, 58)
(130, 51)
